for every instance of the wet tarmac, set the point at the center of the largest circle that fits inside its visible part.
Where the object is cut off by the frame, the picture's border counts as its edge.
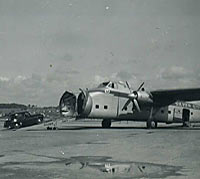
(85, 150)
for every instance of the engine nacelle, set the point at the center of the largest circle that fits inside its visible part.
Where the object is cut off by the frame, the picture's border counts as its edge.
(144, 97)
(71, 107)
(67, 104)
(84, 104)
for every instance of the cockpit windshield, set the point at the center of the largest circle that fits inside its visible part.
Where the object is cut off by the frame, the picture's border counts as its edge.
(103, 84)
(108, 84)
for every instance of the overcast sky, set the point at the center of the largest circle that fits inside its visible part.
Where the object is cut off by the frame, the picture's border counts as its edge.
(49, 46)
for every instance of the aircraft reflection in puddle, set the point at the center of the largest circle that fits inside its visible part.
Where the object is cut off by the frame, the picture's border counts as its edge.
(122, 168)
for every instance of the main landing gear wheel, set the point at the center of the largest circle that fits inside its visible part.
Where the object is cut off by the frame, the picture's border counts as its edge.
(186, 124)
(152, 124)
(106, 123)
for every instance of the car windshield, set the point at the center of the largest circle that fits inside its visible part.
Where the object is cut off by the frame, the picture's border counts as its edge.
(27, 114)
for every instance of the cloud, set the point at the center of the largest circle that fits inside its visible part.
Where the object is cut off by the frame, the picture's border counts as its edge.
(60, 55)
(49, 46)
(4, 79)
(19, 79)
(178, 77)
(174, 72)
(118, 76)
(124, 75)
(34, 89)
(67, 58)
(61, 73)
(99, 79)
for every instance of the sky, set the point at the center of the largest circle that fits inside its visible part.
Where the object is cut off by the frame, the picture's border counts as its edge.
(49, 46)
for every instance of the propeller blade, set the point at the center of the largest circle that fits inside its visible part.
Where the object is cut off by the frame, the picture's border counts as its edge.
(136, 105)
(126, 104)
(140, 86)
(128, 86)
(80, 89)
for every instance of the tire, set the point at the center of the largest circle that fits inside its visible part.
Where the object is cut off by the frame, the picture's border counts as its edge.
(49, 128)
(17, 126)
(148, 124)
(106, 123)
(152, 124)
(156, 124)
(186, 124)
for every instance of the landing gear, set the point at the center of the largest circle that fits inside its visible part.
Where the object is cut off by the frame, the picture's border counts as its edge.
(156, 124)
(106, 123)
(151, 124)
(186, 124)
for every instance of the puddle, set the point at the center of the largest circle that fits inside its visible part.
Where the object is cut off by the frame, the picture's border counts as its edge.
(122, 169)
(88, 167)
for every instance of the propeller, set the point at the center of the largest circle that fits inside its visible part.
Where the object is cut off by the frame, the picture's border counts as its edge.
(140, 86)
(134, 96)
(128, 86)
(136, 105)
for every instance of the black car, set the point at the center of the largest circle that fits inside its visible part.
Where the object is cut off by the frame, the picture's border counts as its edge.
(22, 119)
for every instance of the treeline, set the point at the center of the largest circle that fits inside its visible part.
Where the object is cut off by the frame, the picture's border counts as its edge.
(12, 105)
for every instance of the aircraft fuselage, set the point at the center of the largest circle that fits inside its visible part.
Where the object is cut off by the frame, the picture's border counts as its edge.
(109, 102)
(105, 106)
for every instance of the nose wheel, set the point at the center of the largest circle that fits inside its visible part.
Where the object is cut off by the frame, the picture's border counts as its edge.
(106, 123)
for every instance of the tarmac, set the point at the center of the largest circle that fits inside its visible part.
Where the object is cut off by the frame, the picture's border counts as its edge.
(85, 150)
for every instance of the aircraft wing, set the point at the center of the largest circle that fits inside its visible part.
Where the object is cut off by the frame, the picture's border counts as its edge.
(162, 97)
(166, 97)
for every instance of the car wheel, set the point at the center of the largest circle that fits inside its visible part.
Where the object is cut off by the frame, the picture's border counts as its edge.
(49, 128)
(17, 125)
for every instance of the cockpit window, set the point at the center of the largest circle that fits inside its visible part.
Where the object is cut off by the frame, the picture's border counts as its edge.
(111, 85)
(108, 84)
(104, 84)
(124, 85)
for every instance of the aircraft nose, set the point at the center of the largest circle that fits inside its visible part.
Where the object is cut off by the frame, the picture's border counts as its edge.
(84, 103)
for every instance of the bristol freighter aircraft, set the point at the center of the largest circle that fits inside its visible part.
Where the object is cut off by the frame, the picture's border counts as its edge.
(116, 101)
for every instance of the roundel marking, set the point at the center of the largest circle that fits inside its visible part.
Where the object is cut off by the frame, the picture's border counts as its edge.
(107, 91)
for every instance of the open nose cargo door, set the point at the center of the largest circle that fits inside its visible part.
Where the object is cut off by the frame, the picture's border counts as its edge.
(67, 104)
